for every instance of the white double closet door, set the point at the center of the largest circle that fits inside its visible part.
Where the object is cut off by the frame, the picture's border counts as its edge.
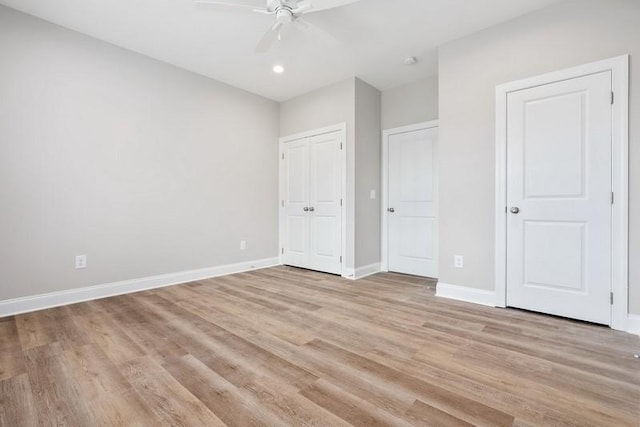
(559, 198)
(312, 203)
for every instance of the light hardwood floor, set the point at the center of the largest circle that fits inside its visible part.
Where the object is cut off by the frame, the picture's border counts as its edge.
(283, 346)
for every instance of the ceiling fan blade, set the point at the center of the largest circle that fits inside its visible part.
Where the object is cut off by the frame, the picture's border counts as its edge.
(318, 5)
(303, 7)
(308, 27)
(269, 38)
(227, 6)
(301, 24)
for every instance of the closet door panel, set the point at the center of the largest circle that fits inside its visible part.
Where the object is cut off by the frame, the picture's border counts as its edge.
(296, 202)
(325, 194)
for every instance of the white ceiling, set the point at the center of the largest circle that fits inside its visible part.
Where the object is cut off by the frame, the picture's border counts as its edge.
(374, 37)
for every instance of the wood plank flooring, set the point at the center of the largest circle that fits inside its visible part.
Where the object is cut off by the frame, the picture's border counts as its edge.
(283, 346)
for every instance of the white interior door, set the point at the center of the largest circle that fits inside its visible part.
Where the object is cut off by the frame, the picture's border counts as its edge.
(325, 211)
(559, 198)
(296, 202)
(412, 202)
(312, 203)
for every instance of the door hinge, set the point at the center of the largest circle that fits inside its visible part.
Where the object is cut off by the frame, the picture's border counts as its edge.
(340, 202)
(282, 156)
(613, 97)
(611, 298)
(341, 145)
(612, 198)
(282, 251)
(340, 259)
(283, 203)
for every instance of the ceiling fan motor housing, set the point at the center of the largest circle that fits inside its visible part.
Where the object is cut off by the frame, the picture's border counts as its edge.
(275, 5)
(284, 15)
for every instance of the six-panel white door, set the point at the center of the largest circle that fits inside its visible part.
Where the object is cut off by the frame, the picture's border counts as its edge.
(412, 202)
(559, 198)
(313, 203)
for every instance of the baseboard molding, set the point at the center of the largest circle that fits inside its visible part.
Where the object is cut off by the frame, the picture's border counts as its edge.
(367, 270)
(633, 324)
(72, 296)
(464, 293)
(349, 273)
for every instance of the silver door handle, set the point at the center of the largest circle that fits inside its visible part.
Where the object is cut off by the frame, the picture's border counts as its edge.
(391, 210)
(514, 210)
(306, 209)
(311, 209)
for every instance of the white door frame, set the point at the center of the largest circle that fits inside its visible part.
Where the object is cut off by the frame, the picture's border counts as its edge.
(384, 229)
(619, 67)
(342, 128)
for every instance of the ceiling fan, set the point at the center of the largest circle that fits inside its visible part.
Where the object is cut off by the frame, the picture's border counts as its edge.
(287, 14)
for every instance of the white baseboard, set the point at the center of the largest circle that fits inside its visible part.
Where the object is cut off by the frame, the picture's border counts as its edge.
(349, 273)
(360, 272)
(464, 293)
(72, 296)
(633, 324)
(367, 270)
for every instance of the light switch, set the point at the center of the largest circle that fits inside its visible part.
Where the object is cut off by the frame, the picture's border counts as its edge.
(372, 194)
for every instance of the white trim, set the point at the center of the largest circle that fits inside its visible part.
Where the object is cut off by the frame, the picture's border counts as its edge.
(349, 273)
(365, 271)
(340, 127)
(72, 296)
(314, 132)
(633, 324)
(464, 293)
(384, 226)
(619, 67)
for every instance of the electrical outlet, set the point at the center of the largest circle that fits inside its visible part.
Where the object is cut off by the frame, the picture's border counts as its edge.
(458, 261)
(243, 245)
(81, 262)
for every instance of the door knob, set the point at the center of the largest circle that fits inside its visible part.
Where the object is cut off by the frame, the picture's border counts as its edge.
(515, 210)
(306, 209)
(391, 210)
(311, 209)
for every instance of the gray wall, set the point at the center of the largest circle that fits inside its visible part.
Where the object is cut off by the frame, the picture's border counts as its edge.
(146, 168)
(408, 104)
(367, 171)
(323, 107)
(358, 104)
(557, 37)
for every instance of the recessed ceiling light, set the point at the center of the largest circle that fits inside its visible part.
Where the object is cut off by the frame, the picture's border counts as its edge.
(410, 60)
(278, 69)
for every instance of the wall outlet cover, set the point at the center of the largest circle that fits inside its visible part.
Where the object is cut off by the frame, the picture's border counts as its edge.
(81, 262)
(458, 261)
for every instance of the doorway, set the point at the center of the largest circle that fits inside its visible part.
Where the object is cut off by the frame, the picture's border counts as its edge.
(312, 202)
(561, 223)
(410, 199)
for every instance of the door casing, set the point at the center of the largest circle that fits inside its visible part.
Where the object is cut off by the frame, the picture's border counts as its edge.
(342, 128)
(619, 67)
(384, 223)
